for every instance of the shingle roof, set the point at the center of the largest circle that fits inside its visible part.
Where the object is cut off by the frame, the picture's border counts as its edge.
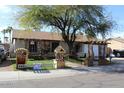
(18, 34)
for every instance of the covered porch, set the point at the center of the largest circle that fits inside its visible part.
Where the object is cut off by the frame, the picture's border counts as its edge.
(41, 47)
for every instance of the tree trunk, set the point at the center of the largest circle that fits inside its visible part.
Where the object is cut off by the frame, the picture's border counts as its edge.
(99, 62)
(70, 49)
(91, 54)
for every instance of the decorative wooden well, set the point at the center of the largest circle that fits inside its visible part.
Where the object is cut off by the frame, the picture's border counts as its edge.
(59, 56)
(21, 57)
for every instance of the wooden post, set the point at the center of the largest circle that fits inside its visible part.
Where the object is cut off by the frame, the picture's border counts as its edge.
(89, 59)
(91, 55)
(102, 56)
(99, 61)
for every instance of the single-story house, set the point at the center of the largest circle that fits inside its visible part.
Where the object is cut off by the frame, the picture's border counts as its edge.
(116, 43)
(44, 43)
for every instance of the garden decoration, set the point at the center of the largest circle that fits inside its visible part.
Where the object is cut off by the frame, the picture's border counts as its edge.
(102, 53)
(37, 68)
(59, 56)
(21, 57)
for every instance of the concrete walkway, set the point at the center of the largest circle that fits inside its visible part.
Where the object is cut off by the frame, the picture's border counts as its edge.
(71, 64)
(77, 69)
(6, 73)
(24, 75)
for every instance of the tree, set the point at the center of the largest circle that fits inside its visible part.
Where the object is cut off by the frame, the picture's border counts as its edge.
(67, 19)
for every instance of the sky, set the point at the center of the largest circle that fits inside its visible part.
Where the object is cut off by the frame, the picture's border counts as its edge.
(117, 14)
(8, 18)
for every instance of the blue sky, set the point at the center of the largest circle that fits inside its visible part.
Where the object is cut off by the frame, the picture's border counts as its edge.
(116, 11)
(8, 18)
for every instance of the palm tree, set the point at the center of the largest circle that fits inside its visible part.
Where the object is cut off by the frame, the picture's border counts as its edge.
(9, 30)
(4, 33)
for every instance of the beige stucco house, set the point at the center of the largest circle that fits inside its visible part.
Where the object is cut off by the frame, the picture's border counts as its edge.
(45, 42)
(116, 43)
(42, 42)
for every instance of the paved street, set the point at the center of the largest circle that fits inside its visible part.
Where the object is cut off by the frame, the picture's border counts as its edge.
(77, 77)
(93, 80)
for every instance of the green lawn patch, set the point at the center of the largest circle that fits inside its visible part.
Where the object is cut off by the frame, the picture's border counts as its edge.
(45, 64)
(13, 62)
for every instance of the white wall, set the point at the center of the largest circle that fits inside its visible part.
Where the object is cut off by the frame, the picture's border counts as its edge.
(19, 44)
(95, 50)
(85, 49)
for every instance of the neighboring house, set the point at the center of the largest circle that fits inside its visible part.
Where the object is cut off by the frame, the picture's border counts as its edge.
(116, 43)
(5, 46)
(45, 42)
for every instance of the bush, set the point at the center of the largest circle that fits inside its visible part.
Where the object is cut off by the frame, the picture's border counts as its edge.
(40, 57)
(36, 57)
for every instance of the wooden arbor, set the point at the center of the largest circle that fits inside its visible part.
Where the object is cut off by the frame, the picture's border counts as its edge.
(102, 45)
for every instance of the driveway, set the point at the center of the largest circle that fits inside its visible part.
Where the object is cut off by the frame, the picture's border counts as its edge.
(117, 66)
(6, 66)
(118, 60)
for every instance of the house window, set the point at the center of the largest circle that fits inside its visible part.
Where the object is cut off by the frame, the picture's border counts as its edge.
(33, 46)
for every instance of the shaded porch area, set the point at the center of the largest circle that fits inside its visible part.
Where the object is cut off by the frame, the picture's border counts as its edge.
(43, 48)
